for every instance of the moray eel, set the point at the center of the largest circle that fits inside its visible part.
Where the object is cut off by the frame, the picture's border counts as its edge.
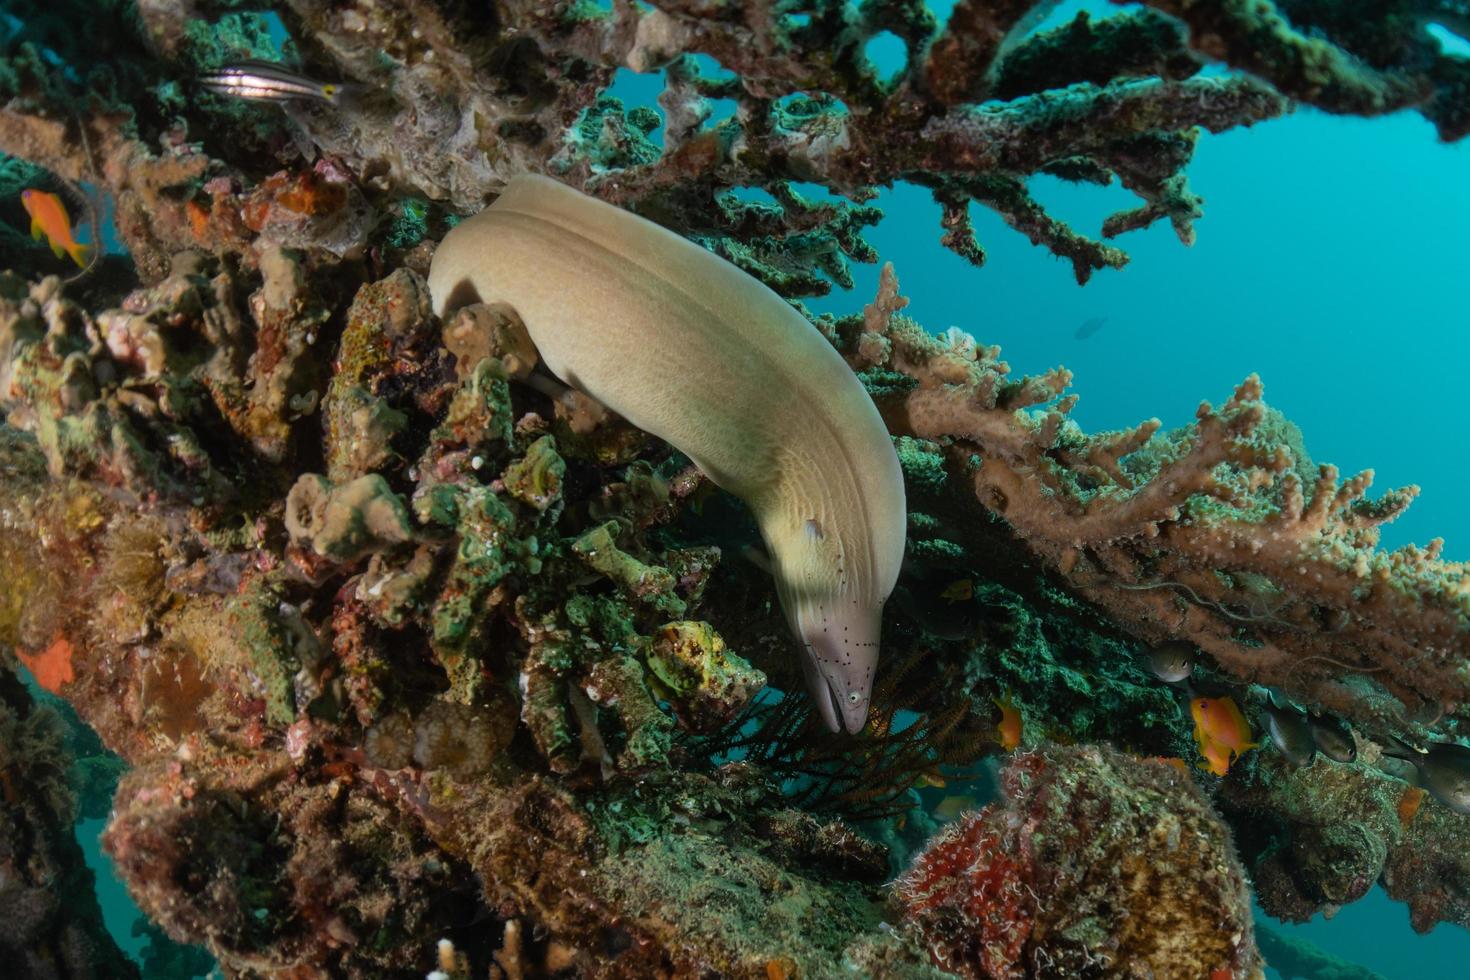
(686, 346)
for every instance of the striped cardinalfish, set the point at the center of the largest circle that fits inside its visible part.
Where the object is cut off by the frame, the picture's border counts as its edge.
(267, 81)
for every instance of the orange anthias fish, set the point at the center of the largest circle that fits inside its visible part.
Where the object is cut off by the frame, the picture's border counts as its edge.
(1221, 732)
(1009, 726)
(49, 218)
(1217, 757)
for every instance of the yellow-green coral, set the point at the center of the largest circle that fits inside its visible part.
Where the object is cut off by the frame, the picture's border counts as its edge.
(703, 682)
(647, 583)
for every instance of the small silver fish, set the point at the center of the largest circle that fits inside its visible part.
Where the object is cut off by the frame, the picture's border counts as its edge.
(1444, 771)
(266, 81)
(1172, 661)
(1333, 737)
(1290, 731)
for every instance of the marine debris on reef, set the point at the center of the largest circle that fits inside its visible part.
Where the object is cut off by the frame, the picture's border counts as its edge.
(403, 641)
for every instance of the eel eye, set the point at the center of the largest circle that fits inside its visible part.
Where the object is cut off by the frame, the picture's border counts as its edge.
(853, 697)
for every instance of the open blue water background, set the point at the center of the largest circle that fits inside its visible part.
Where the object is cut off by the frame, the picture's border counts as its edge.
(1331, 261)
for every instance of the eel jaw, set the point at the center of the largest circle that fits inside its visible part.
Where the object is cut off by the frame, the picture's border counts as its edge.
(839, 655)
(821, 692)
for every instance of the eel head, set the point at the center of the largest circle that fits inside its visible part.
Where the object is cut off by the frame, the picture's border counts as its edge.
(836, 618)
(839, 637)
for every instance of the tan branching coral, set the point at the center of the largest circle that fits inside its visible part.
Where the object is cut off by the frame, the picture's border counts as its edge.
(1221, 533)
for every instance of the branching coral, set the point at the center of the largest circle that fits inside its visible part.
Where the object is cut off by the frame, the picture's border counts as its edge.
(455, 105)
(1222, 533)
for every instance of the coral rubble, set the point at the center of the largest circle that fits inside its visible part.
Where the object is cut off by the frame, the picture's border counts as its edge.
(403, 641)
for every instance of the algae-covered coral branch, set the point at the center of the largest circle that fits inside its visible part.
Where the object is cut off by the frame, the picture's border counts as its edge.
(1222, 532)
(452, 104)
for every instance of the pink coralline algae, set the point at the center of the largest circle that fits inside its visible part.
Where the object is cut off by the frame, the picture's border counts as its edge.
(1094, 863)
(970, 893)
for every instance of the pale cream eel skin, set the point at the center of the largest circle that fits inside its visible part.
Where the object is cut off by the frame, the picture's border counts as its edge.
(686, 346)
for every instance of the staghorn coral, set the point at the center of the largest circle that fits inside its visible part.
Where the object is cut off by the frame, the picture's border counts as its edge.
(453, 104)
(1211, 533)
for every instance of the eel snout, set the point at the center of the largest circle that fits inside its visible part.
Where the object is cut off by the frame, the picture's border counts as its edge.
(839, 657)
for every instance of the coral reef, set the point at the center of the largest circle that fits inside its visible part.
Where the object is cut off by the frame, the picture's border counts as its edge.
(1319, 837)
(1222, 533)
(1094, 863)
(401, 640)
(452, 105)
(294, 641)
(50, 922)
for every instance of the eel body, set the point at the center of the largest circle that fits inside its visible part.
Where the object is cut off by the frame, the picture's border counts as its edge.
(686, 346)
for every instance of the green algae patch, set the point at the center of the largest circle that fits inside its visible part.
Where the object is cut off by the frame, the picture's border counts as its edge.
(922, 462)
(270, 637)
(479, 415)
(536, 478)
(486, 554)
(649, 584)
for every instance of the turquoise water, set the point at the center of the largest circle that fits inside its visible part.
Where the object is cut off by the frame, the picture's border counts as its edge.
(1374, 932)
(118, 911)
(1327, 261)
